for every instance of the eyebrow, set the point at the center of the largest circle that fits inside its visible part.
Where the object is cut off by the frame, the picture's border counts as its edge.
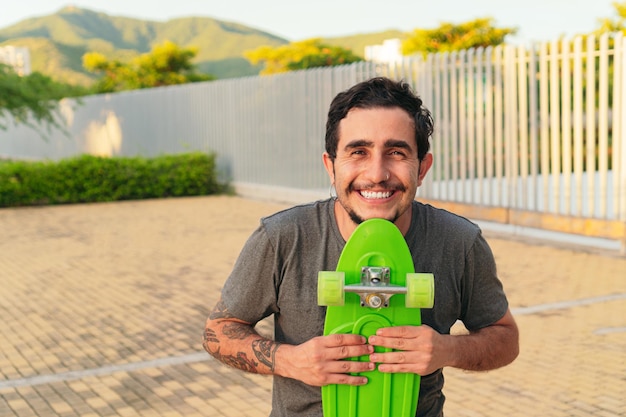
(389, 143)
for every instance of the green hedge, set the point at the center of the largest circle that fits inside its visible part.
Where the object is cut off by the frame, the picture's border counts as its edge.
(88, 179)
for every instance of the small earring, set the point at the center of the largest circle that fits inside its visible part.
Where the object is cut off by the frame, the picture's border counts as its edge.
(332, 191)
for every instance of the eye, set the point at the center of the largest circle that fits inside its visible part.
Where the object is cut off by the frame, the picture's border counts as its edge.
(398, 153)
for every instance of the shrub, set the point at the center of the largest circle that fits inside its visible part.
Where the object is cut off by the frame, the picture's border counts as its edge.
(86, 179)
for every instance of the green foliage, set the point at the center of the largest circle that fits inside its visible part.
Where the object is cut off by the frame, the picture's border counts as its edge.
(617, 24)
(328, 56)
(88, 179)
(34, 96)
(449, 37)
(310, 53)
(166, 64)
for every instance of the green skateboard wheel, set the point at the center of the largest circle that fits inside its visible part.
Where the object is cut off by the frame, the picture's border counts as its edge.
(420, 290)
(330, 288)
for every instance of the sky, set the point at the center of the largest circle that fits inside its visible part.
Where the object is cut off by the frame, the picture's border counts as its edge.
(536, 20)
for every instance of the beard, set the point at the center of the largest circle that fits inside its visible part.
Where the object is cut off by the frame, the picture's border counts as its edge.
(358, 219)
(354, 216)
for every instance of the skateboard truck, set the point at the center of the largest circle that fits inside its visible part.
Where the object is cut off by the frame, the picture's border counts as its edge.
(375, 289)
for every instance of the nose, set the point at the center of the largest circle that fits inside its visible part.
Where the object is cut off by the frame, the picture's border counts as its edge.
(377, 170)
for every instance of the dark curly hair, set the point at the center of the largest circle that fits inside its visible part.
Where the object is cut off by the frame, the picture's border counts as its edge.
(379, 92)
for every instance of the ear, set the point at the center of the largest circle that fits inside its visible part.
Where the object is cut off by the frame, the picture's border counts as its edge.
(330, 166)
(425, 165)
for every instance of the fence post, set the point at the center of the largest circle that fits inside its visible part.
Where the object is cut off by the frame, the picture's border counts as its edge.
(619, 137)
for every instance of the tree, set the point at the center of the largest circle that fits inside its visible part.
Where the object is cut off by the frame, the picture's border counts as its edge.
(450, 37)
(166, 64)
(31, 100)
(618, 24)
(310, 53)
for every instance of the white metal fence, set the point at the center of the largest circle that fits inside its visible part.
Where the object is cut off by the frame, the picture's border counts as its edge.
(538, 129)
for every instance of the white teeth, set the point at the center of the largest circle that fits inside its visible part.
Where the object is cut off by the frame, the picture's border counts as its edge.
(376, 195)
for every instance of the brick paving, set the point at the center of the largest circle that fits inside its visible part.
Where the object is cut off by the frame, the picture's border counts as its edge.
(102, 308)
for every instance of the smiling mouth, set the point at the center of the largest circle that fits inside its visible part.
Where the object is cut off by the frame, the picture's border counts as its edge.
(376, 195)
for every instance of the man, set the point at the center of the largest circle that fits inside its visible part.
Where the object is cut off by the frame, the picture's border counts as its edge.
(376, 156)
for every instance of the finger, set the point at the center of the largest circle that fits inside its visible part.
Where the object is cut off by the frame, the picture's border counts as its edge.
(397, 362)
(390, 357)
(345, 352)
(399, 331)
(400, 368)
(350, 367)
(345, 379)
(400, 343)
(344, 340)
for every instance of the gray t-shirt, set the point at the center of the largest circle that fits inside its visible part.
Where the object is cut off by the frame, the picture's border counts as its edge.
(276, 273)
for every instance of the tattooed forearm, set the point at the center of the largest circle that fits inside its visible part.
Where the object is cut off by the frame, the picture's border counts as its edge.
(239, 360)
(237, 331)
(265, 352)
(236, 343)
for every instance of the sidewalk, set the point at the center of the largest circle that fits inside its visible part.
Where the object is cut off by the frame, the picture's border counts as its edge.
(103, 308)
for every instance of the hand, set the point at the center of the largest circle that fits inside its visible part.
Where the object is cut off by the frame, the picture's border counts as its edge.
(421, 350)
(322, 360)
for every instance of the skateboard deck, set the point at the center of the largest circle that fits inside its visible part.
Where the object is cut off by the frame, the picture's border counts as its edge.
(374, 286)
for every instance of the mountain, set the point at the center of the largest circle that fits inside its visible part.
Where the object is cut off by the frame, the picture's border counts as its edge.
(58, 41)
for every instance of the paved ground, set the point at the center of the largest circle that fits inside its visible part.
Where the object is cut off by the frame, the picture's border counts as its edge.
(102, 308)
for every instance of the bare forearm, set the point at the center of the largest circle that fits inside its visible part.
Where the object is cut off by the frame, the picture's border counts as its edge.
(486, 349)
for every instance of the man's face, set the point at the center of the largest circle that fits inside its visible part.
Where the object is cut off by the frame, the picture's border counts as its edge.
(376, 172)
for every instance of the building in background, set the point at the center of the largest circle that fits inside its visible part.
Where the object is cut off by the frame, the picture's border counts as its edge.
(16, 57)
(389, 52)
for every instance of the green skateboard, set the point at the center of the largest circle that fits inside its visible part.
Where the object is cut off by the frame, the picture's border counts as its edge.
(374, 286)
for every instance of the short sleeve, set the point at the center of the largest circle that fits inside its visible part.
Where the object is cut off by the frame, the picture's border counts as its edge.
(484, 301)
(250, 292)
